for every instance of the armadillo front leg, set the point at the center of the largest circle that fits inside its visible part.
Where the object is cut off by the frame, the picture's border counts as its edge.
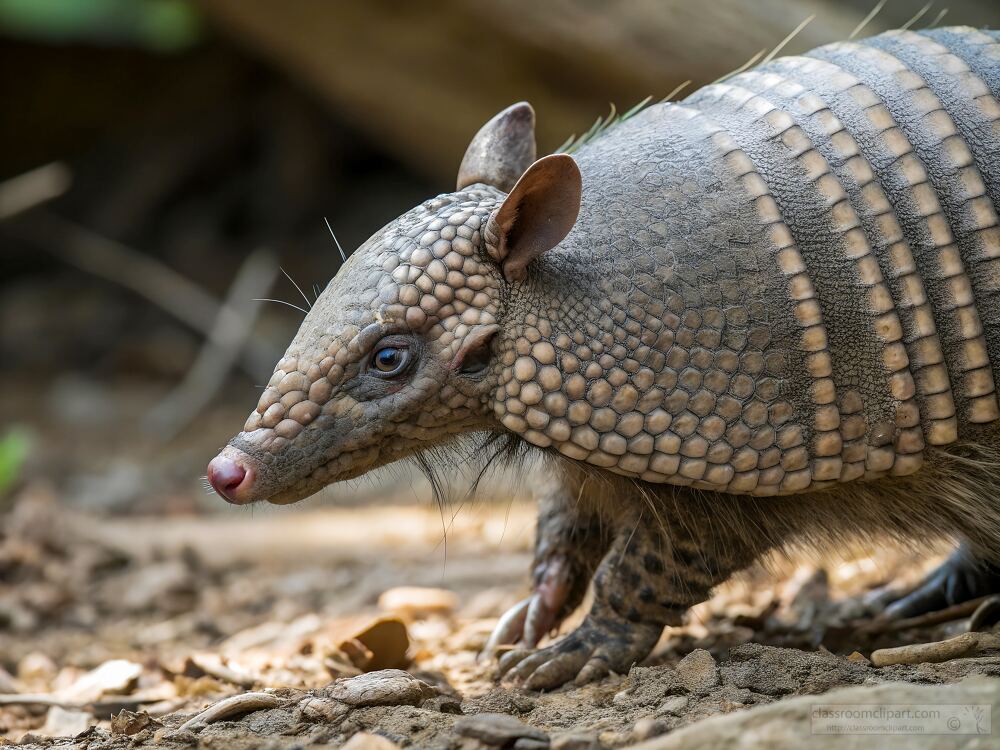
(648, 579)
(570, 542)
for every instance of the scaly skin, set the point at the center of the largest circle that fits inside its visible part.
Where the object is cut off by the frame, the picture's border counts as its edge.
(771, 315)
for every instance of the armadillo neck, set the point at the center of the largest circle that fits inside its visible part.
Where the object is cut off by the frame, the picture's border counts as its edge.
(788, 281)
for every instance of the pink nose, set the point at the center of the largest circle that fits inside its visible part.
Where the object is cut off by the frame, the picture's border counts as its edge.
(230, 478)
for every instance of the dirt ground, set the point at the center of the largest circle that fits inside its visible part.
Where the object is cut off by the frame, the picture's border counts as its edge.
(121, 632)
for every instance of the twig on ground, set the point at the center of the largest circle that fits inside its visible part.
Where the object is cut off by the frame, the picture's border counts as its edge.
(36, 699)
(40, 185)
(237, 704)
(46, 699)
(965, 644)
(228, 336)
(111, 260)
(955, 612)
(213, 667)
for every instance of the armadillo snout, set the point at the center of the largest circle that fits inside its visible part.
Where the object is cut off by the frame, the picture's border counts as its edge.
(231, 474)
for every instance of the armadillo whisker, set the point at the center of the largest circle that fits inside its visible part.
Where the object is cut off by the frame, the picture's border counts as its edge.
(867, 19)
(297, 287)
(937, 19)
(343, 257)
(781, 45)
(280, 302)
(920, 14)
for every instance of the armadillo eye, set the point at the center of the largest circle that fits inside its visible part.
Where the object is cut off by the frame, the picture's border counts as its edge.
(390, 360)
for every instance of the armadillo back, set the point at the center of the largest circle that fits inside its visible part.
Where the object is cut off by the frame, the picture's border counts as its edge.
(815, 299)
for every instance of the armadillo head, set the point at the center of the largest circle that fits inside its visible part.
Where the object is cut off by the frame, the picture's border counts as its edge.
(397, 354)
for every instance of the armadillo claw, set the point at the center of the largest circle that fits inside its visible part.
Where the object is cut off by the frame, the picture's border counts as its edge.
(958, 579)
(509, 628)
(530, 619)
(547, 601)
(511, 659)
(588, 653)
(594, 670)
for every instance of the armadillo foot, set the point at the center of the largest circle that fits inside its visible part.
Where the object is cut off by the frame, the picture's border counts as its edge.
(961, 577)
(530, 619)
(602, 644)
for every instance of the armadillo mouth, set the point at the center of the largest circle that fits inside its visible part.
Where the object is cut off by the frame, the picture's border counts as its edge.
(240, 478)
(243, 473)
(310, 486)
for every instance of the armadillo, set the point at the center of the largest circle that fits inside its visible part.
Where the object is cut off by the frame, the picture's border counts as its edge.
(766, 315)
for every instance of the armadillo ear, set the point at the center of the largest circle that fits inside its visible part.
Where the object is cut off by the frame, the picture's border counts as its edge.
(536, 215)
(502, 149)
(473, 355)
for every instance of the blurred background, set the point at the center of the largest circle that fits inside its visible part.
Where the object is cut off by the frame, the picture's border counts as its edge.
(163, 164)
(161, 159)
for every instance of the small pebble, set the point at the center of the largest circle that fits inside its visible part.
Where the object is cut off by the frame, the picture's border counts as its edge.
(527, 743)
(576, 741)
(858, 658)
(647, 727)
(445, 704)
(418, 602)
(368, 741)
(498, 729)
(697, 671)
(132, 722)
(622, 697)
(386, 687)
(673, 704)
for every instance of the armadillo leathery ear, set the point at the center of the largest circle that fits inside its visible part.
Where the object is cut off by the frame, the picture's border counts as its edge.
(536, 215)
(502, 149)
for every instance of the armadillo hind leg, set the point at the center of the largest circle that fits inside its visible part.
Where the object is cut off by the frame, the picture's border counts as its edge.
(570, 541)
(964, 576)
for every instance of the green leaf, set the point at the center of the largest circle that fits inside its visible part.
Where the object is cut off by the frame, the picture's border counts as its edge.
(14, 449)
(161, 25)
